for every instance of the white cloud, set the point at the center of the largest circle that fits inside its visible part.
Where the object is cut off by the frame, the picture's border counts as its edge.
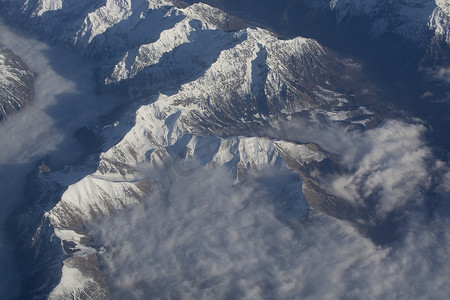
(440, 74)
(390, 163)
(207, 237)
(65, 100)
(388, 167)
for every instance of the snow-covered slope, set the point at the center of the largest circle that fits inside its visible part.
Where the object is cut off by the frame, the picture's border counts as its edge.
(16, 83)
(202, 95)
(440, 20)
(417, 29)
(87, 23)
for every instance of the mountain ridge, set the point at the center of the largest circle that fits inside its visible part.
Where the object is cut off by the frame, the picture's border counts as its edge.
(201, 96)
(16, 83)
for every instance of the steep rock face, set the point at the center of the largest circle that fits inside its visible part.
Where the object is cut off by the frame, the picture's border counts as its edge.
(16, 83)
(202, 95)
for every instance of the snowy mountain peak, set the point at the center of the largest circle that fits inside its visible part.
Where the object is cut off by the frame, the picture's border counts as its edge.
(439, 21)
(208, 93)
(45, 6)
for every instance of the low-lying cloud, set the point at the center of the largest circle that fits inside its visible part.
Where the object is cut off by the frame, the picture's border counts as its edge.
(206, 236)
(439, 74)
(390, 165)
(65, 100)
(387, 168)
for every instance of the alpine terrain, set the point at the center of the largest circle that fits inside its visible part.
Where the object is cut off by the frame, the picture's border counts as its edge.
(16, 83)
(244, 161)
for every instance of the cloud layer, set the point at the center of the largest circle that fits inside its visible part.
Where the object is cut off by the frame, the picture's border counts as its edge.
(387, 168)
(65, 100)
(205, 236)
(390, 166)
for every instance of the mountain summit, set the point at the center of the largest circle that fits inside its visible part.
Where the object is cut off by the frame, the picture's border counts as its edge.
(213, 99)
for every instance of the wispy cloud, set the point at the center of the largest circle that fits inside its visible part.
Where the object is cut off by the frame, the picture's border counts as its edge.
(388, 167)
(440, 74)
(206, 236)
(65, 100)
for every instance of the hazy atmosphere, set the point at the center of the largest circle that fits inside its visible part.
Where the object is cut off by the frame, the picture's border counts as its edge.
(65, 100)
(201, 234)
(206, 150)
(204, 236)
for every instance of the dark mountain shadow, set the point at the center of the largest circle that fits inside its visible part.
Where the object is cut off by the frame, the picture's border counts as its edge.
(73, 114)
(185, 63)
(80, 115)
(389, 60)
(46, 23)
(133, 32)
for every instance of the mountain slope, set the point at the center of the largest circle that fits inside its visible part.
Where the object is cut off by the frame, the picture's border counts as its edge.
(420, 26)
(204, 93)
(16, 83)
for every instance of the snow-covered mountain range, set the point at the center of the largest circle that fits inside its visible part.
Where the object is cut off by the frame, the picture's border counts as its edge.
(421, 27)
(205, 90)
